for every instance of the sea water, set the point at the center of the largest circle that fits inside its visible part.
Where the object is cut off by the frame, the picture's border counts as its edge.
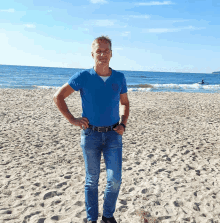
(30, 77)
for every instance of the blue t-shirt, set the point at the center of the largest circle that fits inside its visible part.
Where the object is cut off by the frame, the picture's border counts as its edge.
(100, 99)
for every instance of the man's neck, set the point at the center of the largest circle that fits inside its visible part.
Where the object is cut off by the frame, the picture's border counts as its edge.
(102, 71)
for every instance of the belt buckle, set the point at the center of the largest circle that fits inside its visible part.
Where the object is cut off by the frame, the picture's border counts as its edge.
(106, 129)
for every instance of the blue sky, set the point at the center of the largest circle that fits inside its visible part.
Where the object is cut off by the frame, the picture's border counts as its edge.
(171, 36)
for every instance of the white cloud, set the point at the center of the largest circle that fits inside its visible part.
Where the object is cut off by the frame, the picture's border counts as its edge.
(183, 20)
(7, 10)
(140, 16)
(166, 30)
(98, 1)
(30, 26)
(108, 23)
(162, 30)
(125, 33)
(156, 3)
(103, 22)
(194, 28)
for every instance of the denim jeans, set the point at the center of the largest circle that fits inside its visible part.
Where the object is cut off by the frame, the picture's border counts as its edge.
(93, 143)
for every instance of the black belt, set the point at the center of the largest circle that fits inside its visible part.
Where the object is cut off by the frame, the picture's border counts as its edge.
(104, 128)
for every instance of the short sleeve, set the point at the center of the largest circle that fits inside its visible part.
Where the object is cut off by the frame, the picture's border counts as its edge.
(124, 86)
(76, 81)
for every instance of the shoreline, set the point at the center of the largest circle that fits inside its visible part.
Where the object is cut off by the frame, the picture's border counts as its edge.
(145, 88)
(171, 154)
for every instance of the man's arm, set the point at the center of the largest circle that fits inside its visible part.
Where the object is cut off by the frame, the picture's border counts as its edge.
(58, 99)
(61, 104)
(125, 103)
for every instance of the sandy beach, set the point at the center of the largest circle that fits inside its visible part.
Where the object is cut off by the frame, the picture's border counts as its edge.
(171, 159)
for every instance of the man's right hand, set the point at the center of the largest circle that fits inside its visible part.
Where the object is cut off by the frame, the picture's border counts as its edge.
(80, 122)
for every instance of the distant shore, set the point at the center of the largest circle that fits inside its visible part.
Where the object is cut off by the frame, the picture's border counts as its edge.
(171, 153)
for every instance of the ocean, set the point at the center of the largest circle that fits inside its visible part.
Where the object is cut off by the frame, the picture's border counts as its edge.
(30, 77)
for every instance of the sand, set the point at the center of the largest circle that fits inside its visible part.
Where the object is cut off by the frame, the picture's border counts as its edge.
(171, 159)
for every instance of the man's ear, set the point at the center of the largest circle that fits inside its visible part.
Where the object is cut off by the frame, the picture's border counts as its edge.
(92, 54)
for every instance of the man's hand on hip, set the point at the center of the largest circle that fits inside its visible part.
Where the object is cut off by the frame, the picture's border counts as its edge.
(80, 122)
(119, 129)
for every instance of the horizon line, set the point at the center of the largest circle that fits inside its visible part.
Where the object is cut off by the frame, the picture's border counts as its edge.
(109, 66)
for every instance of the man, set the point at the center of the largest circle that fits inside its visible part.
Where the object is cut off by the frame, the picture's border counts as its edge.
(101, 88)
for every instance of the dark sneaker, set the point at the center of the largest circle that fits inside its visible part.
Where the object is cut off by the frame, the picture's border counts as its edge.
(87, 221)
(109, 220)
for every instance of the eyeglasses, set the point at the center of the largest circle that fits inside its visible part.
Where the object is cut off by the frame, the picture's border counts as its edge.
(104, 52)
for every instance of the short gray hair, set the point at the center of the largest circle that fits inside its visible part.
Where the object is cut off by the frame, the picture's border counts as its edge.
(102, 38)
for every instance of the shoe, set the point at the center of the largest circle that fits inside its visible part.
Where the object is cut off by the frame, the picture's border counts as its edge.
(109, 220)
(86, 221)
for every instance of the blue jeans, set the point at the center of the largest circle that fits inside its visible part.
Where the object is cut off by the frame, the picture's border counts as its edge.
(93, 143)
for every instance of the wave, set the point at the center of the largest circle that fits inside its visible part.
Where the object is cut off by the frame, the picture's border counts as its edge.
(195, 86)
(188, 86)
(45, 87)
(158, 87)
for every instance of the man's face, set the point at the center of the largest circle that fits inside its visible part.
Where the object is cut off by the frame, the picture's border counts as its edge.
(101, 53)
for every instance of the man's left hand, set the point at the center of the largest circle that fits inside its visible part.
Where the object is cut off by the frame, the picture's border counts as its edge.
(119, 129)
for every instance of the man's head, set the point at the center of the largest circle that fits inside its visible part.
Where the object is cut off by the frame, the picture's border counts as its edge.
(101, 50)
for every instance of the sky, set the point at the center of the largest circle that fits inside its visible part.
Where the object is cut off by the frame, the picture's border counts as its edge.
(169, 36)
